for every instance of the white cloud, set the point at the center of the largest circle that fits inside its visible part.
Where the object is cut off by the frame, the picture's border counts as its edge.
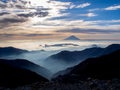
(83, 5)
(113, 7)
(89, 15)
(53, 25)
(95, 9)
(63, 23)
(72, 6)
(107, 21)
(56, 7)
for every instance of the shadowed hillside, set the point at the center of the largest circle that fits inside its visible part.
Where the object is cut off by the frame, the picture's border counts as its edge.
(104, 67)
(25, 64)
(5, 51)
(12, 75)
(66, 59)
(74, 56)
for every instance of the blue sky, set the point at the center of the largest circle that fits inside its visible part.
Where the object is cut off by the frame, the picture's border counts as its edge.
(41, 19)
(97, 7)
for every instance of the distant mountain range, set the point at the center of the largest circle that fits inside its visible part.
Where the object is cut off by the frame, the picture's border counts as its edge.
(104, 67)
(93, 62)
(5, 51)
(13, 73)
(74, 57)
(67, 59)
(72, 38)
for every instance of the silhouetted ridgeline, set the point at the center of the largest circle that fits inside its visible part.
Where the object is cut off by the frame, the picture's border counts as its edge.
(5, 51)
(104, 67)
(25, 64)
(77, 56)
(67, 59)
(12, 75)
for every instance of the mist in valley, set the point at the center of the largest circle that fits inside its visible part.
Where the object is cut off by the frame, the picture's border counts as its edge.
(42, 57)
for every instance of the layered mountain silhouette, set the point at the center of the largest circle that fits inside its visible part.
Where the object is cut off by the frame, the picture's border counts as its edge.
(67, 59)
(77, 56)
(104, 67)
(25, 64)
(72, 38)
(5, 51)
(82, 67)
(13, 73)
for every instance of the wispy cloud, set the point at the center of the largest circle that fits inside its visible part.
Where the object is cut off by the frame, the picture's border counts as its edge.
(20, 4)
(72, 6)
(5, 36)
(94, 9)
(83, 5)
(115, 7)
(100, 24)
(89, 31)
(89, 15)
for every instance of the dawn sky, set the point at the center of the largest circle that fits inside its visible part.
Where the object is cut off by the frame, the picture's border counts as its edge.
(56, 19)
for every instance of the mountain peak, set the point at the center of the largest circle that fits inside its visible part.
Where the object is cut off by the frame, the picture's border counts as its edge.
(72, 37)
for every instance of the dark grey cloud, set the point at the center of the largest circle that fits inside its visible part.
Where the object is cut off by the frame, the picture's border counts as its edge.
(2, 5)
(25, 15)
(2, 36)
(12, 20)
(13, 4)
(7, 35)
(32, 14)
(9, 21)
(40, 14)
(4, 13)
(89, 31)
(32, 35)
(9, 17)
(20, 11)
(19, 6)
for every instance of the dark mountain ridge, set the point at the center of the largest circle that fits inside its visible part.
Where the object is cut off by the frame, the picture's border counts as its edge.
(12, 75)
(25, 64)
(104, 67)
(5, 51)
(77, 56)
